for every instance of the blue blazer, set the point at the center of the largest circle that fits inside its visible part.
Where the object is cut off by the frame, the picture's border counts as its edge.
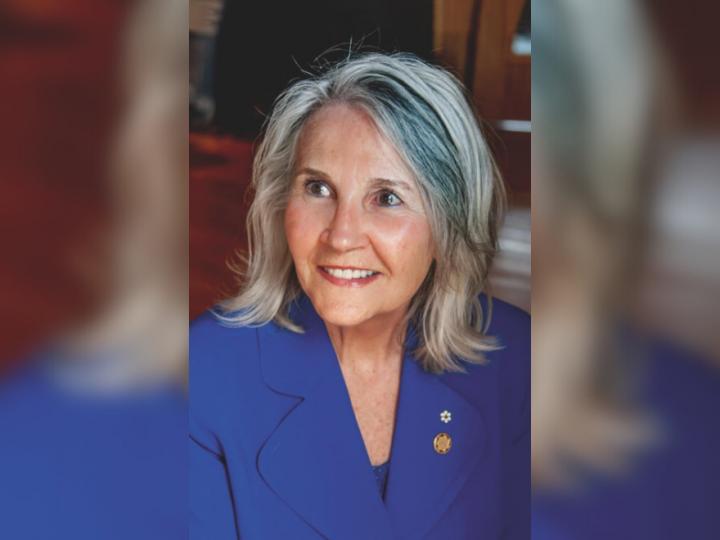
(276, 453)
(84, 465)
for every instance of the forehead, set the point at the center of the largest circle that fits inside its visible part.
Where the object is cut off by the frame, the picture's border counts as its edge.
(341, 135)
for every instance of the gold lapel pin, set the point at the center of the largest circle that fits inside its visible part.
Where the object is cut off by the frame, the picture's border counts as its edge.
(442, 443)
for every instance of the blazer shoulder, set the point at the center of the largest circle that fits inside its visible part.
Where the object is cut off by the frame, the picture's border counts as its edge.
(507, 321)
(217, 347)
(507, 366)
(209, 332)
(510, 327)
(224, 370)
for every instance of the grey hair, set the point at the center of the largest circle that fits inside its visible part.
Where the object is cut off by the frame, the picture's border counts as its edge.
(423, 111)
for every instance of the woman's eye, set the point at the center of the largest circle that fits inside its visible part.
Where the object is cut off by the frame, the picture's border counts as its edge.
(388, 198)
(317, 188)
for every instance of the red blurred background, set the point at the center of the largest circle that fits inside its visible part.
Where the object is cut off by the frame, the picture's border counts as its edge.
(58, 66)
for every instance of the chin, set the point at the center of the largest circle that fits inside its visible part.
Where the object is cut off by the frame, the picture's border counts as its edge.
(341, 313)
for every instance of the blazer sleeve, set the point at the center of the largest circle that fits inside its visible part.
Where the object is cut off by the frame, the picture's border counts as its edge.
(212, 514)
(516, 430)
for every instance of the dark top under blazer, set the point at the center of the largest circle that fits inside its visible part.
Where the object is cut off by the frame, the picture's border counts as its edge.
(276, 452)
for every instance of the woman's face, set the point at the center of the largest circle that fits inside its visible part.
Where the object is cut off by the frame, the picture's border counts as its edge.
(355, 222)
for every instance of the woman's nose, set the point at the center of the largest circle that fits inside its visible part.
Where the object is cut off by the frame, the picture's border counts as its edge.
(346, 230)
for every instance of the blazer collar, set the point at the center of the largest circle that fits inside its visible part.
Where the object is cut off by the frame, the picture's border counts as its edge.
(422, 483)
(315, 459)
(292, 363)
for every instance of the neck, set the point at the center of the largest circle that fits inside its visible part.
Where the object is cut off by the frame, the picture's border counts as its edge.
(372, 347)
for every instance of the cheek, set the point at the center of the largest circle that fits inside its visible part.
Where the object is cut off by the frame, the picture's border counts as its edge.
(407, 245)
(293, 229)
(301, 229)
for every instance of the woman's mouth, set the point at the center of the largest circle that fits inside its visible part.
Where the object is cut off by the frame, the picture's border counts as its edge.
(348, 276)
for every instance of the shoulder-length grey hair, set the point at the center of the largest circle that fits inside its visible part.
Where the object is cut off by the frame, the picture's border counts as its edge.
(423, 111)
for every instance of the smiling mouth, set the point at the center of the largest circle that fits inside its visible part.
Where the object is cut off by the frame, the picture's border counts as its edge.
(347, 276)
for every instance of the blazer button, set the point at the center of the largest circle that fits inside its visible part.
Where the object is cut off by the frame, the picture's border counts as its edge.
(442, 443)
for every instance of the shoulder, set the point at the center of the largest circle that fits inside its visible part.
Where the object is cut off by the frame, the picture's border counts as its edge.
(504, 377)
(218, 350)
(509, 324)
(218, 346)
(225, 372)
(510, 329)
(209, 332)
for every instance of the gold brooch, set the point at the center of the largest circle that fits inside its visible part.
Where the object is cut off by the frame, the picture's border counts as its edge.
(442, 443)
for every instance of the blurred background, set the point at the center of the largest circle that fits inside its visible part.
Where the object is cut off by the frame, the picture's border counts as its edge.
(93, 272)
(626, 251)
(243, 54)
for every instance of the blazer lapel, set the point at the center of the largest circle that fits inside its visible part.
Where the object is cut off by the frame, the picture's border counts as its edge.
(315, 459)
(422, 483)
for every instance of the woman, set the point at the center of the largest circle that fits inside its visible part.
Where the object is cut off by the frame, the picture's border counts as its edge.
(352, 389)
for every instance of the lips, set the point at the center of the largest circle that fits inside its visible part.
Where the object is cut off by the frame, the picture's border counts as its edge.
(348, 273)
(348, 276)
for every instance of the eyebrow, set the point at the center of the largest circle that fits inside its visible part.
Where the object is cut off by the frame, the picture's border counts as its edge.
(387, 182)
(312, 172)
(380, 182)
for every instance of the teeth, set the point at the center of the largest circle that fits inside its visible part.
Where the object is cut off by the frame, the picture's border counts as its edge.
(349, 274)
